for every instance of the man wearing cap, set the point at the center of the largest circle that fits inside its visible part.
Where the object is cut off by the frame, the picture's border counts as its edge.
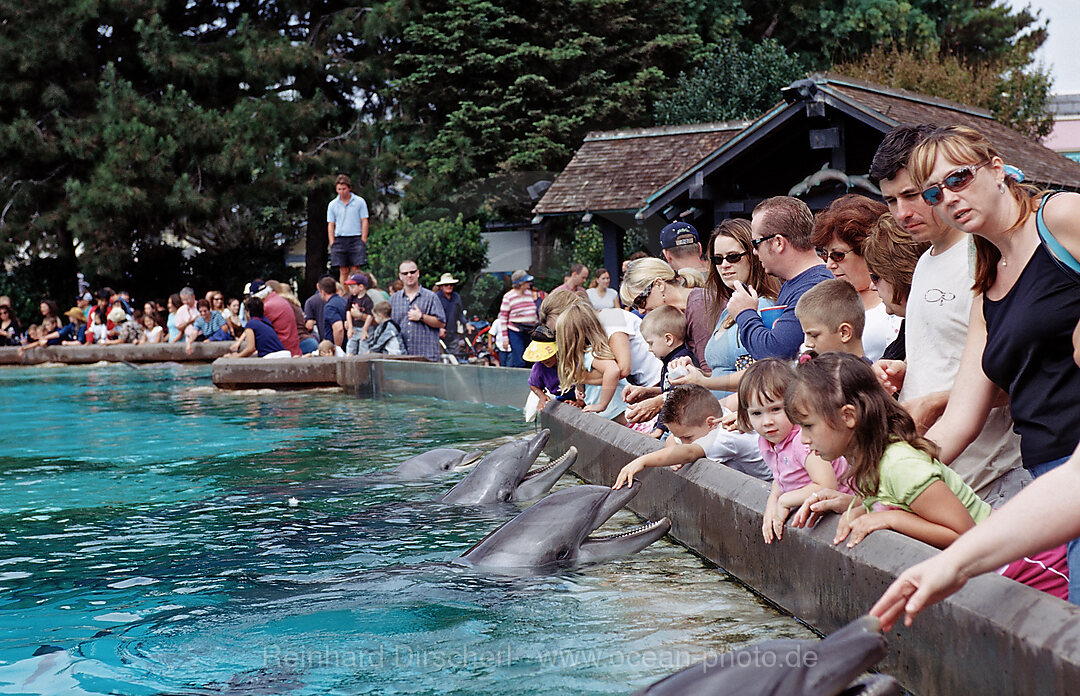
(347, 229)
(680, 244)
(574, 281)
(83, 303)
(277, 311)
(358, 320)
(455, 313)
(417, 312)
(518, 316)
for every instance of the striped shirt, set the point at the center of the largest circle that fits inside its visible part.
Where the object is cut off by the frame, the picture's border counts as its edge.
(517, 307)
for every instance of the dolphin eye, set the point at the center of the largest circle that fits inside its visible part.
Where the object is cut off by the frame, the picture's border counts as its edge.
(563, 554)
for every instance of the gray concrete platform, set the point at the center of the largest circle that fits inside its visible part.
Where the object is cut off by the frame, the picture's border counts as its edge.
(352, 373)
(475, 384)
(124, 352)
(995, 636)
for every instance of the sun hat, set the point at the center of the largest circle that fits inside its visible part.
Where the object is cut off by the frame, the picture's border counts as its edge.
(117, 315)
(447, 279)
(75, 313)
(539, 350)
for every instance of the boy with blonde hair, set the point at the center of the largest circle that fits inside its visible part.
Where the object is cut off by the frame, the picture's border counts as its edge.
(832, 316)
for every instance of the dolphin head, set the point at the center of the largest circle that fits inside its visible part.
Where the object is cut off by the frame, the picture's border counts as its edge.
(497, 476)
(828, 667)
(434, 462)
(555, 531)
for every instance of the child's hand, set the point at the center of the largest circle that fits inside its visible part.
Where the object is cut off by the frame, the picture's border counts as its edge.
(730, 421)
(626, 474)
(818, 504)
(772, 526)
(861, 527)
(676, 467)
(594, 408)
(843, 527)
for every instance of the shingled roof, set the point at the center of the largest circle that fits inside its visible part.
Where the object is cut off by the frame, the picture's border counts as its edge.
(640, 171)
(618, 170)
(896, 106)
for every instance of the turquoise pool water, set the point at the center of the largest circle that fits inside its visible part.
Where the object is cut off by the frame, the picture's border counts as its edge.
(148, 546)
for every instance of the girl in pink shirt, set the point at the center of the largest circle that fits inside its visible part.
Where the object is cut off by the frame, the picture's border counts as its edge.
(797, 472)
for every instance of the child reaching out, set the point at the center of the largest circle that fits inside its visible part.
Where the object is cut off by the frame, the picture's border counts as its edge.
(585, 358)
(899, 483)
(797, 472)
(692, 415)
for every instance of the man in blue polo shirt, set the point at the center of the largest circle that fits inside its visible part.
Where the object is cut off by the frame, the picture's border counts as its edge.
(347, 229)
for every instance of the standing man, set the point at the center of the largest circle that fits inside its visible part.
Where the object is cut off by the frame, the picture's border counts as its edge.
(680, 244)
(780, 231)
(575, 281)
(347, 229)
(936, 325)
(418, 313)
(453, 310)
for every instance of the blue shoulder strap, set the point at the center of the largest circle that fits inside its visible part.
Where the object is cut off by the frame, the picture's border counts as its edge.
(1052, 244)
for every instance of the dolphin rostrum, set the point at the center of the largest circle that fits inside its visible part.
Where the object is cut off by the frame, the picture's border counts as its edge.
(555, 531)
(433, 462)
(504, 475)
(790, 667)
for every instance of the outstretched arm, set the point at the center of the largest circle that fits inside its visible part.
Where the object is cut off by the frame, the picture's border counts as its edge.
(1041, 516)
(671, 455)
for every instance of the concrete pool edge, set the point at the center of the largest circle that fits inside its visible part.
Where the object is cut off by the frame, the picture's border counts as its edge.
(203, 352)
(995, 636)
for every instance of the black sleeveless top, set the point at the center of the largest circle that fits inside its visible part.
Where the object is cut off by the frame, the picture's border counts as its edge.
(1029, 354)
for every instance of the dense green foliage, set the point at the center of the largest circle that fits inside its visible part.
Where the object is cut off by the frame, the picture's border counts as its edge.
(128, 126)
(437, 246)
(731, 83)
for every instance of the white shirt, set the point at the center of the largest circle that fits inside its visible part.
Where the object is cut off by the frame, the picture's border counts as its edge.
(644, 366)
(605, 301)
(737, 450)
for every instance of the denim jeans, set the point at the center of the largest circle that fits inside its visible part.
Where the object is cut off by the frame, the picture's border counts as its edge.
(1072, 549)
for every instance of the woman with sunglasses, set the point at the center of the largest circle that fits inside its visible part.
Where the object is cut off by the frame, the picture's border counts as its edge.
(10, 330)
(732, 261)
(1027, 307)
(651, 282)
(839, 233)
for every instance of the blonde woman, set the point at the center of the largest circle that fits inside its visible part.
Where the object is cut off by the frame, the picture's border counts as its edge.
(650, 283)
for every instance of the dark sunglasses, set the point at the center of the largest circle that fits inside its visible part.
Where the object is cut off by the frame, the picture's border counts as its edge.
(837, 256)
(957, 180)
(730, 258)
(760, 240)
(408, 272)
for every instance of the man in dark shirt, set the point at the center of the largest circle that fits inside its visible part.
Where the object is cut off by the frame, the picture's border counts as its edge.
(334, 311)
(313, 310)
(455, 314)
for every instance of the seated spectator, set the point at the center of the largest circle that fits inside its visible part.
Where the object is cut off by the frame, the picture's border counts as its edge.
(891, 255)
(98, 330)
(693, 415)
(832, 317)
(259, 337)
(10, 330)
(327, 349)
(233, 317)
(304, 335)
(210, 325)
(797, 472)
(45, 335)
(386, 338)
(153, 331)
(74, 333)
(124, 330)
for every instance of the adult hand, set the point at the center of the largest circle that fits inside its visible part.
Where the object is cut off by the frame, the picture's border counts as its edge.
(917, 588)
(743, 297)
(442, 333)
(644, 410)
(414, 314)
(926, 409)
(693, 375)
(730, 422)
(633, 393)
(890, 373)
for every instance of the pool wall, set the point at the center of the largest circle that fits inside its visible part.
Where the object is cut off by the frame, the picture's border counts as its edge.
(126, 352)
(995, 636)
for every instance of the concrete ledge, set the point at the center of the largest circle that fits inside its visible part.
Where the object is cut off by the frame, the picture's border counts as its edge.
(353, 373)
(124, 352)
(995, 636)
(497, 386)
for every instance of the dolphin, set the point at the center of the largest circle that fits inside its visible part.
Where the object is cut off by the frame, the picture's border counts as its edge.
(504, 475)
(433, 462)
(788, 667)
(554, 532)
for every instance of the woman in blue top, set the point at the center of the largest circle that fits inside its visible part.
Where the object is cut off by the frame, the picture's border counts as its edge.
(731, 260)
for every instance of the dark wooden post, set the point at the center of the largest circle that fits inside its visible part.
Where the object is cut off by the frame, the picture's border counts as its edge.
(612, 236)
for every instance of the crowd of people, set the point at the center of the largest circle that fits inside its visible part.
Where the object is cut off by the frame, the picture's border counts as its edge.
(911, 365)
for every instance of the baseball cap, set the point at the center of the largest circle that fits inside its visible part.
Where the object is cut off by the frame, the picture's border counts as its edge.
(678, 234)
(254, 287)
(359, 279)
